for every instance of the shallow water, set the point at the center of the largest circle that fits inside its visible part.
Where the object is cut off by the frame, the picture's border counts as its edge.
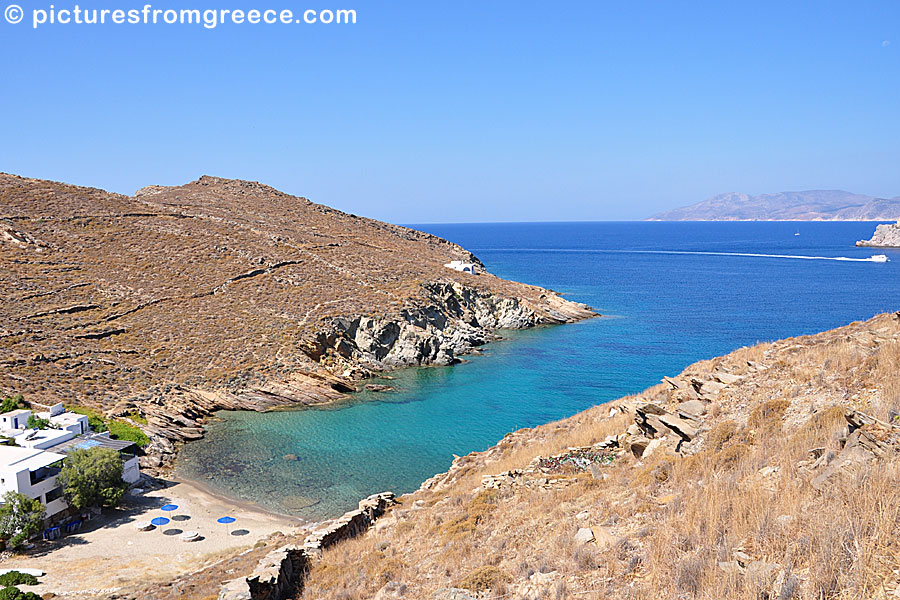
(672, 293)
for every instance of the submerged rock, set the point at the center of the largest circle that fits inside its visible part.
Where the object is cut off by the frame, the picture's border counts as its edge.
(375, 387)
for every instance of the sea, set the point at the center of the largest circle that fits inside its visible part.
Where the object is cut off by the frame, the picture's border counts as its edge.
(669, 294)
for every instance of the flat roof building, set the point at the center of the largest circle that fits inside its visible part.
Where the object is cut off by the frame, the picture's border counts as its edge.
(33, 472)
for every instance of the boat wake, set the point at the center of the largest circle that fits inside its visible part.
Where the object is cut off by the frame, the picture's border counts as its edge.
(876, 258)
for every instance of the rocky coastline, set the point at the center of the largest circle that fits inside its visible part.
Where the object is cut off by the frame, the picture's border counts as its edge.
(886, 236)
(458, 320)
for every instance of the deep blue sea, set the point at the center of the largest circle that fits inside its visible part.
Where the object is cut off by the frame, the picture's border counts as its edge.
(670, 293)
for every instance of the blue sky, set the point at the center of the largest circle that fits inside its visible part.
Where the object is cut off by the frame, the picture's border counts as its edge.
(469, 111)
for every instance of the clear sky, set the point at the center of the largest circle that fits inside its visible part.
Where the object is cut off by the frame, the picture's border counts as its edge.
(436, 111)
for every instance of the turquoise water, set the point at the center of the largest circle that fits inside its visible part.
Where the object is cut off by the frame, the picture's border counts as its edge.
(671, 294)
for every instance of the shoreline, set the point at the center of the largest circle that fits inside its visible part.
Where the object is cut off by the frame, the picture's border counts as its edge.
(203, 489)
(195, 406)
(171, 474)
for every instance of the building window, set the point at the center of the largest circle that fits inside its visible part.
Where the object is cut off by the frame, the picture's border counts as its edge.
(45, 473)
(54, 494)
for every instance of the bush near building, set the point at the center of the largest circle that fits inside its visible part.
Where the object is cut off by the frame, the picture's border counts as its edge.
(13, 403)
(118, 429)
(92, 477)
(20, 518)
(11, 578)
(38, 423)
(14, 593)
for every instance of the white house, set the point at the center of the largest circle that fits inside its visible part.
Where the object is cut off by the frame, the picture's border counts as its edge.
(15, 419)
(42, 439)
(458, 265)
(131, 470)
(33, 472)
(59, 418)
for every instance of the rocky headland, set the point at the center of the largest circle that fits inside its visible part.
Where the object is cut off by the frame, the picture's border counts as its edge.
(167, 306)
(886, 236)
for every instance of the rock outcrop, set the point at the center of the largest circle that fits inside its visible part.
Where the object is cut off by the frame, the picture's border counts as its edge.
(886, 236)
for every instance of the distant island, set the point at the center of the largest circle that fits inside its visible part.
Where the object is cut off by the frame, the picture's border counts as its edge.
(812, 205)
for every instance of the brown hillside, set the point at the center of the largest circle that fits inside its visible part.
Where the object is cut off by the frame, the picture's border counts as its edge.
(226, 294)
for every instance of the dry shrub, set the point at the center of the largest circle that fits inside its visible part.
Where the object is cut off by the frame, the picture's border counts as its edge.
(656, 470)
(730, 456)
(381, 569)
(690, 572)
(485, 578)
(721, 434)
(821, 430)
(767, 417)
(885, 376)
(478, 509)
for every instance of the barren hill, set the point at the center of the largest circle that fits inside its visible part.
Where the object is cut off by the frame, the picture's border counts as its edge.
(813, 205)
(227, 294)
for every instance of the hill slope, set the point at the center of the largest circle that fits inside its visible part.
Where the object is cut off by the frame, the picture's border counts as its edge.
(226, 294)
(814, 205)
(767, 473)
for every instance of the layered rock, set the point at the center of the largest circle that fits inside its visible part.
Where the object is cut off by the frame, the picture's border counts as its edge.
(886, 236)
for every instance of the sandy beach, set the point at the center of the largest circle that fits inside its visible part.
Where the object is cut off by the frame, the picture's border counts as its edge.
(110, 552)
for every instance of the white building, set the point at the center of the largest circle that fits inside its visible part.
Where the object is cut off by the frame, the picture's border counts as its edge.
(42, 439)
(131, 470)
(15, 419)
(33, 472)
(458, 265)
(59, 418)
(31, 467)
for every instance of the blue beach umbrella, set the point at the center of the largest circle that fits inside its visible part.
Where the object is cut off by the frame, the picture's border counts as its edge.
(226, 521)
(169, 507)
(159, 521)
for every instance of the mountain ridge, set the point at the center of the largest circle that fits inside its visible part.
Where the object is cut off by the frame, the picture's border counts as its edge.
(808, 205)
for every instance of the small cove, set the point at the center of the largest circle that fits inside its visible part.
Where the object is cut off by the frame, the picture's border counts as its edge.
(672, 294)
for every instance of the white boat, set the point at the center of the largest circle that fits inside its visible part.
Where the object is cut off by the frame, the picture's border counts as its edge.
(879, 258)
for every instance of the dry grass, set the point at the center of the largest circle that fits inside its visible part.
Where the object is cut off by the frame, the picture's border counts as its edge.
(673, 519)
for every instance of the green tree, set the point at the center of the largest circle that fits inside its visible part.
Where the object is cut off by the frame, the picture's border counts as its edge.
(13, 578)
(92, 477)
(20, 517)
(38, 423)
(12, 403)
(14, 593)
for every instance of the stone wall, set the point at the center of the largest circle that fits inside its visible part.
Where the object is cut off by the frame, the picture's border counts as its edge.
(280, 575)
